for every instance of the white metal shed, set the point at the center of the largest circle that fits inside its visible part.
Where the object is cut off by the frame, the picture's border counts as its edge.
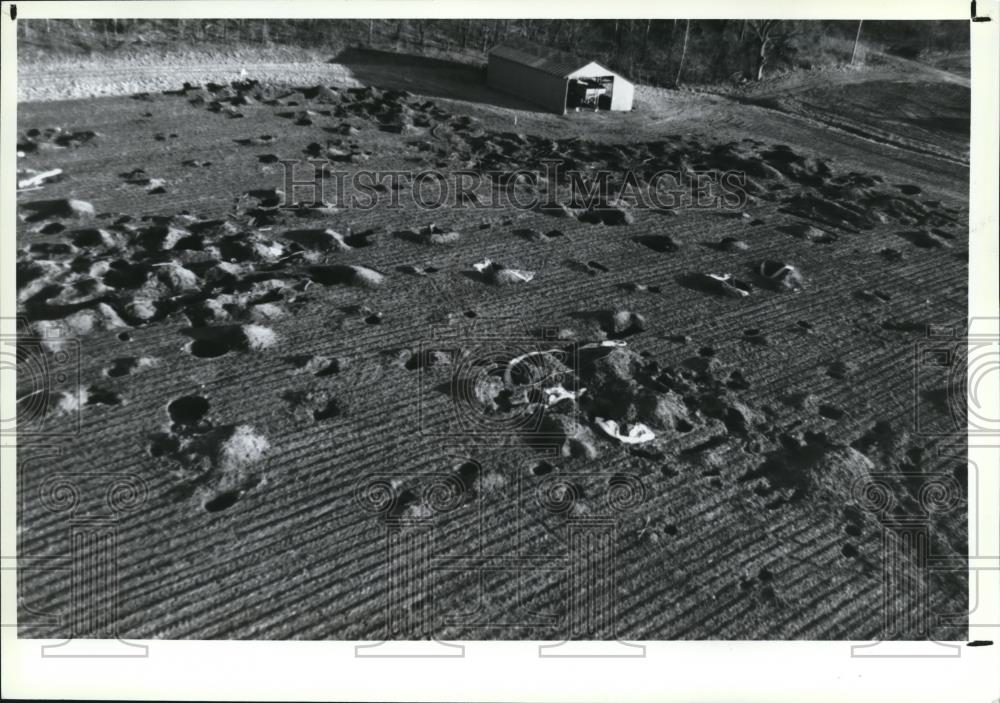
(555, 80)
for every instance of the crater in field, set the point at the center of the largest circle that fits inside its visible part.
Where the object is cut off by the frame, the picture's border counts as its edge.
(429, 358)
(313, 405)
(97, 395)
(430, 234)
(807, 464)
(213, 342)
(634, 360)
(339, 274)
(840, 369)
(722, 284)
(662, 243)
(468, 474)
(201, 457)
(262, 140)
(222, 501)
(122, 366)
(831, 412)
(729, 244)
(616, 324)
(63, 209)
(315, 364)
(542, 468)
(209, 348)
(755, 336)
(187, 410)
(329, 410)
(924, 239)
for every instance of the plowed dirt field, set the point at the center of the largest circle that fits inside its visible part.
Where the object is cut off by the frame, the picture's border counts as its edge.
(349, 437)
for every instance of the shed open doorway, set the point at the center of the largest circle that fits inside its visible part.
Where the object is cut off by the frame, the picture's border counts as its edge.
(591, 93)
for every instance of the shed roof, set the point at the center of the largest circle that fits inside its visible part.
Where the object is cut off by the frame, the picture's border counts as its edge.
(551, 61)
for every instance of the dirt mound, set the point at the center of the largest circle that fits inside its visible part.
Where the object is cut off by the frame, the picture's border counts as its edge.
(214, 341)
(724, 284)
(587, 397)
(219, 462)
(52, 138)
(278, 298)
(318, 239)
(430, 234)
(497, 274)
(808, 232)
(809, 464)
(349, 275)
(852, 204)
(779, 275)
(803, 185)
(58, 209)
(135, 271)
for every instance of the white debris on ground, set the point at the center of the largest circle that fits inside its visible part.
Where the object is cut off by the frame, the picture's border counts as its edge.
(637, 433)
(27, 179)
(500, 275)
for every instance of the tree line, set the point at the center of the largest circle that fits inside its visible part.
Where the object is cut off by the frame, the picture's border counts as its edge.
(667, 52)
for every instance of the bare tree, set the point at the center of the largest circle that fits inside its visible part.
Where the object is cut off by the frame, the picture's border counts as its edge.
(486, 36)
(762, 35)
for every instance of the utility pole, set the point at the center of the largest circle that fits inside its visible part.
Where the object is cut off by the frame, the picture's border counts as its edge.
(684, 49)
(856, 38)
